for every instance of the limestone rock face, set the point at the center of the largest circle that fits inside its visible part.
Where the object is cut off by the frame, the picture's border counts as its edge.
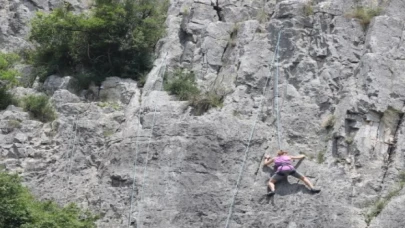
(54, 83)
(340, 96)
(15, 16)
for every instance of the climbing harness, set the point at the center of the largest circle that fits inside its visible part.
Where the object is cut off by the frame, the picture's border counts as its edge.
(252, 131)
(161, 73)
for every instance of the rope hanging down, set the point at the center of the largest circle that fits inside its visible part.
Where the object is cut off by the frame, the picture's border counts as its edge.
(276, 77)
(72, 150)
(250, 138)
(161, 73)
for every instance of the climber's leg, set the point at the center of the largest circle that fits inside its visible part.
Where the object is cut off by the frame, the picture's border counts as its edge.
(305, 180)
(273, 179)
(271, 185)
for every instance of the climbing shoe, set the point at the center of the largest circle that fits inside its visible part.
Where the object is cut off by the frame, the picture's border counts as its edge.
(314, 190)
(270, 193)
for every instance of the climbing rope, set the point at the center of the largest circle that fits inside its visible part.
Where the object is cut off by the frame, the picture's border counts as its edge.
(276, 77)
(250, 137)
(161, 73)
(71, 153)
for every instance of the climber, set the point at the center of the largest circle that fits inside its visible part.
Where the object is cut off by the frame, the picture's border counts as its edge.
(283, 168)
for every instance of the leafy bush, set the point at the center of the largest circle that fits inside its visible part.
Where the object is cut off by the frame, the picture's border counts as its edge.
(381, 203)
(113, 38)
(6, 98)
(14, 123)
(309, 8)
(349, 140)
(202, 103)
(19, 209)
(320, 157)
(7, 61)
(364, 14)
(182, 84)
(39, 106)
(401, 177)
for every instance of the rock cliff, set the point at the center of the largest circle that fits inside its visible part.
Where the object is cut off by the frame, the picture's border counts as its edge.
(341, 100)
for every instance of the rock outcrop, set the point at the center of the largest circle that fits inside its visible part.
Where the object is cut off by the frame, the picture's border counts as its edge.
(341, 102)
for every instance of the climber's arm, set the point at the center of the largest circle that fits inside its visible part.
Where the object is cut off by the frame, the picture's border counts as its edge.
(297, 157)
(268, 160)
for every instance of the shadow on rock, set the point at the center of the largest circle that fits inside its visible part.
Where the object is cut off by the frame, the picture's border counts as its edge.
(284, 187)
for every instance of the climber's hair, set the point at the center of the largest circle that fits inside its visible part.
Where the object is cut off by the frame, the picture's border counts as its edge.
(281, 152)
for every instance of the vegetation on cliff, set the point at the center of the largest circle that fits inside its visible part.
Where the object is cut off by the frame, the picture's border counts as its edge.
(19, 209)
(115, 38)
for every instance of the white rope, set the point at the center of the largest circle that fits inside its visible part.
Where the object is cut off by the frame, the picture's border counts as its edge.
(145, 170)
(70, 151)
(71, 155)
(276, 97)
(161, 72)
(134, 169)
(250, 138)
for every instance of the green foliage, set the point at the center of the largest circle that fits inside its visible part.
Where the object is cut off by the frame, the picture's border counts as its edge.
(381, 203)
(19, 209)
(108, 132)
(114, 105)
(142, 80)
(401, 177)
(349, 140)
(114, 38)
(329, 122)
(320, 157)
(13, 123)
(6, 98)
(364, 14)
(182, 84)
(234, 33)
(203, 102)
(308, 8)
(7, 62)
(39, 107)
(262, 15)
(84, 80)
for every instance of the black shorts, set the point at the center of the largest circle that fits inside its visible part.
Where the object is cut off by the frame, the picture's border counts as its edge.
(281, 175)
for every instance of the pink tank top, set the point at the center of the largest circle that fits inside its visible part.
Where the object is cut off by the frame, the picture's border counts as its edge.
(283, 163)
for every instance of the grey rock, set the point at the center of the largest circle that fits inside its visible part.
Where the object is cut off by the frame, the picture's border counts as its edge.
(55, 82)
(330, 70)
(20, 138)
(63, 96)
(116, 89)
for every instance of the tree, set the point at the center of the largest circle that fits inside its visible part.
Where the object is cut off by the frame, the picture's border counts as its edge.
(19, 209)
(114, 38)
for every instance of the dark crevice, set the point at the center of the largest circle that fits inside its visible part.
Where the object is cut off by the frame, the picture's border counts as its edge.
(258, 167)
(335, 147)
(373, 154)
(392, 146)
(219, 11)
(35, 4)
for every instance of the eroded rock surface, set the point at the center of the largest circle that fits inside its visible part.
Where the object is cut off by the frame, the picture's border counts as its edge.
(341, 102)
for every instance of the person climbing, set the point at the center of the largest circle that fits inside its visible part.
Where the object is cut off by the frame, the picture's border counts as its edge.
(283, 167)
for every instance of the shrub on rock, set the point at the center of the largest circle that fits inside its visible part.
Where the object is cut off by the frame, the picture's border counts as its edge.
(39, 107)
(6, 98)
(19, 209)
(113, 38)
